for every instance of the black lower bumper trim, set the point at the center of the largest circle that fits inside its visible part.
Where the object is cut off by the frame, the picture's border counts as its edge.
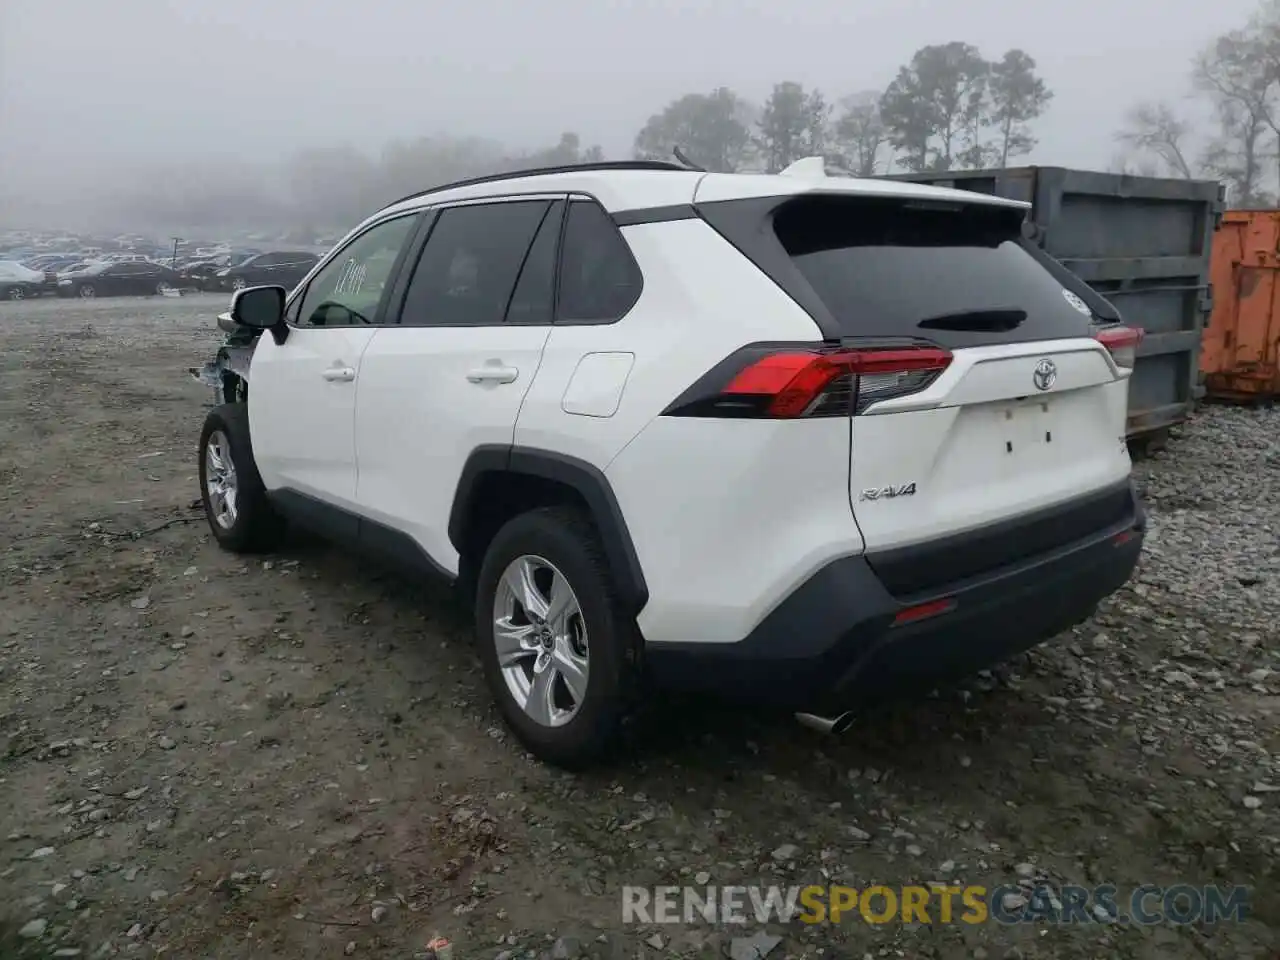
(833, 643)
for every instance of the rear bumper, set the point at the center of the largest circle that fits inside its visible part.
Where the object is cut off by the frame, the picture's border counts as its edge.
(834, 642)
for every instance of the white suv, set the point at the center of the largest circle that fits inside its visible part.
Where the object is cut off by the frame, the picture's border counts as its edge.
(792, 438)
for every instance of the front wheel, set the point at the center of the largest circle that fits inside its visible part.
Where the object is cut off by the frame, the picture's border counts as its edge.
(162, 288)
(559, 652)
(240, 516)
(15, 293)
(86, 291)
(238, 283)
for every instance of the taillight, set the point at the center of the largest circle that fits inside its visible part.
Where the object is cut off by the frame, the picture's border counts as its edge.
(791, 382)
(1122, 343)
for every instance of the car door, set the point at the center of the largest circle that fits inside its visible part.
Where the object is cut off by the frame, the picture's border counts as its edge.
(294, 269)
(302, 393)
(115, 280)
(258, 270)
(145, 278)
(448, 372)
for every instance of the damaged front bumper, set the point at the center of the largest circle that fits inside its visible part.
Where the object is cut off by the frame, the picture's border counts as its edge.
(228, 371)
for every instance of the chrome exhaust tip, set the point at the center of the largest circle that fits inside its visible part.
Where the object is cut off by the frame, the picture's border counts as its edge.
(835, 726)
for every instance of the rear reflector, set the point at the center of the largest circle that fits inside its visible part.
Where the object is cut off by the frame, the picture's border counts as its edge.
(810, 381)
(923, 611)
(1122, 342)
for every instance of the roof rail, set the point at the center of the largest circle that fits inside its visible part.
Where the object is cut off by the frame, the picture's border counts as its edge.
(543, 171)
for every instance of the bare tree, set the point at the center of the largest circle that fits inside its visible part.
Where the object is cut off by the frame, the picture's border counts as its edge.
(1131, 166)
(1154, 129)
(859, 136)
(1237, 73)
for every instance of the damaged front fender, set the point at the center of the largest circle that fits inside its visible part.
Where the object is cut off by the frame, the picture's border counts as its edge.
(228, 372)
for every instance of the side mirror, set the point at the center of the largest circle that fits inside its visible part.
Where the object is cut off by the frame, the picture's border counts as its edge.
(261, 308)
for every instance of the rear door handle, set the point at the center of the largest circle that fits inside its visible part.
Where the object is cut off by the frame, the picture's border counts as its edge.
(339, 374)
(493, 373)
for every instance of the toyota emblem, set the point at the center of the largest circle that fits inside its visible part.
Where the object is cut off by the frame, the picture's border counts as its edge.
(1045, 374)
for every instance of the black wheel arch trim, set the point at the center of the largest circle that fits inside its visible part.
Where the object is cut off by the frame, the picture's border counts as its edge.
(586, 479)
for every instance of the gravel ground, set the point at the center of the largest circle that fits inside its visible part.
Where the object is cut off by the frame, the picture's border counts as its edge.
(202, 756)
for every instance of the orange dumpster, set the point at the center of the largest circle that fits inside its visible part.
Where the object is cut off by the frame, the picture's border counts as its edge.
(1240, 351)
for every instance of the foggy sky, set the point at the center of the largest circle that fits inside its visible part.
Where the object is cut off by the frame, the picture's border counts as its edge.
(88, 87)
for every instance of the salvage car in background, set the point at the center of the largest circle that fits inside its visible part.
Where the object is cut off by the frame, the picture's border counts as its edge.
(284, 268)
(18, 282)
(121, 279)
(201, 274)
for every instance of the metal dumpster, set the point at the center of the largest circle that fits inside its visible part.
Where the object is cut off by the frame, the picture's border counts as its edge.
(1142, 243)
(1240, 357)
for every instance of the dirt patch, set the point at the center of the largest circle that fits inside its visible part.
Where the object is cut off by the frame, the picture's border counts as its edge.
(202, 756)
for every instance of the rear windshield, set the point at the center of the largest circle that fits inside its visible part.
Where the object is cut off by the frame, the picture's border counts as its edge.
(956, 274)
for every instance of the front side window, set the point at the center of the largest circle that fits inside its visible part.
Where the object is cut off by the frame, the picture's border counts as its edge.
(349, 290)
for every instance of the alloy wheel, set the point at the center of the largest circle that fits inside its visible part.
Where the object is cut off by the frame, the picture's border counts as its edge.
(220, 480)
(541, 640)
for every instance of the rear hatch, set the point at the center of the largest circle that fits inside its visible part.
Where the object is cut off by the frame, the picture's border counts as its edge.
(985, 398)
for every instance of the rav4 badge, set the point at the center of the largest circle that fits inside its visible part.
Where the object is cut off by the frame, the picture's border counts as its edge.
(888, 493)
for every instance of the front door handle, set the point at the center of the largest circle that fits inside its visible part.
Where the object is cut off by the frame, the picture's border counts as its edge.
(340, 374)
(493, 373)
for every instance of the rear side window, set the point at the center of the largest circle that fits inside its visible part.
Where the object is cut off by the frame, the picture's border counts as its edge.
(956, 274)
(533, 300)
(599, 278)
(470, 264)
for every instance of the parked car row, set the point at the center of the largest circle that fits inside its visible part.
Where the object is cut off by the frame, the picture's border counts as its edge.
(73, 276)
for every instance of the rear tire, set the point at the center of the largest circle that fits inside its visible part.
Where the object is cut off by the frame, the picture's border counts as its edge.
(240, 516)
(15, 293)
(86, 292)
(593, 651)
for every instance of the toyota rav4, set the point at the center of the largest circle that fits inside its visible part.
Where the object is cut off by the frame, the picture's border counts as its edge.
(792, 438)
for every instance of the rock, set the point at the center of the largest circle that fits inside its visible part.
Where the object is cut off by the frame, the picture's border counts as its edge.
(166, 743)
(947, 866)
(350, 948)
(134, 932)
(858, 833)
(41, 852)
(33, 929)
(966, 762)
(566, 948)
(140, 603)
(702, 878)
(787, 851)
(1012, 902)
(914, 851)
(1252, 803)
(1264, 788)
(656, 941)
(158, 895)
(67, 952)
(187, 632)
(225, 676)
(755, 947)
(378, 914)
(1025, 870)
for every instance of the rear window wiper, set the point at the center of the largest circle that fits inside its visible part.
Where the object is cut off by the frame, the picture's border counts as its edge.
(996, 321)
